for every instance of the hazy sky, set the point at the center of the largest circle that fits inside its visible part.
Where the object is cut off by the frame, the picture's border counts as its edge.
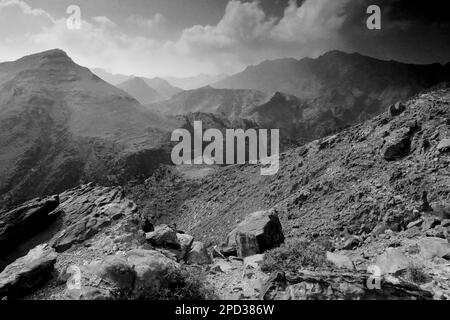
(188, 37)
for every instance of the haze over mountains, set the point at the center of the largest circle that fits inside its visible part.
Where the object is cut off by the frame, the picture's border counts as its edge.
(61, 125)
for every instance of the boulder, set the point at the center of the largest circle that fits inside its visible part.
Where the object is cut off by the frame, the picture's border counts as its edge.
(259, 232)
(198, 254)
(392, 261)
(444, 145)
(28, 273)
(136, 274)
(163, 236)
(152, 269)
(185, 242)
(341, 261)
(351, 243)
(397, 145)
(434, 247)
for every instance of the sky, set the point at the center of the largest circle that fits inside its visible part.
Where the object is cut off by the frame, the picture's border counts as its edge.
(188, 37)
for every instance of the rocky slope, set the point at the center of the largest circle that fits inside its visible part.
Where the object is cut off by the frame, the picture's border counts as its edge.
(61, 125)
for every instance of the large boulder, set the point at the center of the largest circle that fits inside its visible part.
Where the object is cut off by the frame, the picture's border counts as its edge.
(397, 145)
(163, 236)
(28, 273)
(136, 274)
(434, 247)
(198, 254)
(152, 269)
(393, 260)
(259, 232)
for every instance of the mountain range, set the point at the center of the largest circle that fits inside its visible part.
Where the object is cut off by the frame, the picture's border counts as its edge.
(61, 125)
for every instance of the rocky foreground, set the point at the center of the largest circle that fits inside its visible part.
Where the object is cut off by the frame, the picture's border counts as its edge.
(364, 214)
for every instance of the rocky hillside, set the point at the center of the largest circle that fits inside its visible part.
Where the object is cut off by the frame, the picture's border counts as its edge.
(367, 206)
(367, 178)
(61, 125)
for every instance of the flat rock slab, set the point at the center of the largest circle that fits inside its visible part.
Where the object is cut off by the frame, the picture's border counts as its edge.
(28, 273)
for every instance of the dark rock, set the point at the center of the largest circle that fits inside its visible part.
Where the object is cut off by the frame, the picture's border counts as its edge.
(396, 109)
(351, 243)
(28, 273)
(164, 237)
(25, 221)
(397, 145)
(259, 232)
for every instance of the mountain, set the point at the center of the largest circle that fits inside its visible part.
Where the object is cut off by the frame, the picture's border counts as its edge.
(191, 83)
(228, 103)
(60, 125)
(112, 78)
(350, 86)
(164, 89)
(138, 88)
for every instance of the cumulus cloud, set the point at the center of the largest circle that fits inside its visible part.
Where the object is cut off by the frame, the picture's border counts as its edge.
(245, 35)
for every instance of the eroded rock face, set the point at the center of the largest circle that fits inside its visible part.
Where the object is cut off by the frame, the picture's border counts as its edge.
(27, 273)
(87, 210)
(25, 221)
(259, 232)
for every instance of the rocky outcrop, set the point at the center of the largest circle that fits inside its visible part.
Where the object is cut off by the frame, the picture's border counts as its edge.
(259, 232)
(27, 273)
(87, 210)
(326, 285)
(25, 221)
(179, 246)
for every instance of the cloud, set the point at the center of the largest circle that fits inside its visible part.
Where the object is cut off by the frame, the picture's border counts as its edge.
(246, 35)
(156, 21)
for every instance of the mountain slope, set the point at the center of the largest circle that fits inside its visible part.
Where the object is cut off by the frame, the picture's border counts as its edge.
(138, 88)
(351, 86)
(164, 88)
(360, 182)
(228, 103)
(60, 125)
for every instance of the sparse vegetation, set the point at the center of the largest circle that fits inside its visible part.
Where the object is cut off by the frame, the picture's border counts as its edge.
(185, 284)
(295, 255)
(416, 274)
